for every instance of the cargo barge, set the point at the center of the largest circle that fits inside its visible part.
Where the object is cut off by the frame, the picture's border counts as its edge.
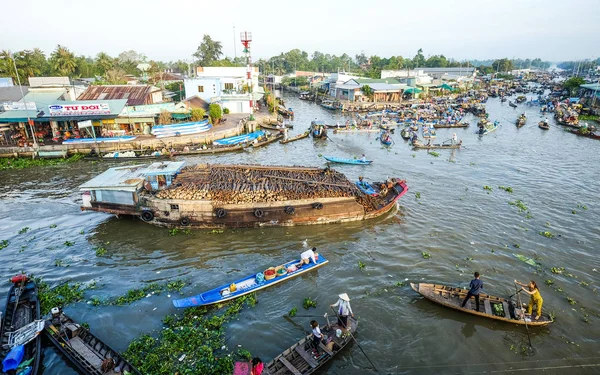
(173, 195)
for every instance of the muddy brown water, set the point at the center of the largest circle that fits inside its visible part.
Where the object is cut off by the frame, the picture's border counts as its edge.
(462, 226)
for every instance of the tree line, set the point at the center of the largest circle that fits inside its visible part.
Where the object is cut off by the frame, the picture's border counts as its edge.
(113, 70)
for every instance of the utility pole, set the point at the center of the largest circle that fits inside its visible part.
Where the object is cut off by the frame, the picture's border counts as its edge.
(234, 49)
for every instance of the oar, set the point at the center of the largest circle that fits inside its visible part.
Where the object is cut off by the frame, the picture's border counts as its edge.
(521, 306)
(512, 295)
(351, 335)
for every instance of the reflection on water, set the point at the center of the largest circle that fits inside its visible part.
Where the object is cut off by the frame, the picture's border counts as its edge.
(462, 226)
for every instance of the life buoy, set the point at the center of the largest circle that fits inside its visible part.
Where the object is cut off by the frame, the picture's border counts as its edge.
(317, 206)
(289, 210)
(147, 216)
(220, 212)
(259, 213)
(185, 221)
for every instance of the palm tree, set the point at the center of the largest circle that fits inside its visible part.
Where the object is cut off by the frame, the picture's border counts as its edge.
(104, 62)
(63, 61)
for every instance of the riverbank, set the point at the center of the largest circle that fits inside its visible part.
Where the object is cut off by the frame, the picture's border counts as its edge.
(235, 124)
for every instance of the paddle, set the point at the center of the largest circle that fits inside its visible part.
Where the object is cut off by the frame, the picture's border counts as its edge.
(512, 295)
(521, 306)
(353, 338)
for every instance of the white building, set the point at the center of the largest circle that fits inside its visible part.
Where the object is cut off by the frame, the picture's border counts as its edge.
(227, 86)
(433, 73)
(336, 79)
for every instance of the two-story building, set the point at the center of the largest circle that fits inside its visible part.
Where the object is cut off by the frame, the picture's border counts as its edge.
(227, 86)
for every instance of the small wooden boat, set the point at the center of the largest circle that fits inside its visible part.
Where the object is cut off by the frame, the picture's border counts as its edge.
(544, 125)
(487, 128)
(421, 146)
(250, 284)
(22, 308)
(356, 130)
(298, 359)
(210, 150)
(492, 307)
(429, 132)
(318, 129)
(295, 138)
(451, 125)
(85, 351)
(583, 132)
(272, 127)
(512, 104)
(265, 141)
(334, 159)
(127, 156)
(239, 139)
(521, 121)
(330, 104)
(406, 133)
(367, 188)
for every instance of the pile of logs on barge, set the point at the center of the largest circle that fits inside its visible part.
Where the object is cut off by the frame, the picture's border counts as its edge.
(220, 196)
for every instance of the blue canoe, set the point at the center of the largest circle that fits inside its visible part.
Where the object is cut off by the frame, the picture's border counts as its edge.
(239, 139)
(366, 188)
(187, 128)
(384, 142)
(246, 285)
(334, 159)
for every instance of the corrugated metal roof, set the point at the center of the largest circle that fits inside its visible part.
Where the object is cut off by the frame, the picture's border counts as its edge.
(44, 98)
(135, 94)
(6, 82)
(129, 178)
(12, 93)
(16, 116)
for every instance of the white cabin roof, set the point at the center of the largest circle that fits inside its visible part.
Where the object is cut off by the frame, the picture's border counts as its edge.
(130, 178)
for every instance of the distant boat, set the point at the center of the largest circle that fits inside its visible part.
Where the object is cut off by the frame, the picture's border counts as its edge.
(239, 138)
(334, 159)
(250, 284)
(330, 104)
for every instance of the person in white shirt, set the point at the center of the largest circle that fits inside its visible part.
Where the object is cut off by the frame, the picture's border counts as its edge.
(317, 336)
(309, 254)
(344, 310)
(454, 139)
(363, 158)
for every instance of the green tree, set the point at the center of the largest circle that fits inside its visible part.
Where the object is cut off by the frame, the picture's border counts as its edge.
(368, 91)
(215, 113)
(104, 63)
(198, 114)
(419, 59)
(572, 84)
(503, 65)
(180, 67)
(178, 89)
(63, 61)
(208, 51)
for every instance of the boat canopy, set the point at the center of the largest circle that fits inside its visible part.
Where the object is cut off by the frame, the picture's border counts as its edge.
(131, 178)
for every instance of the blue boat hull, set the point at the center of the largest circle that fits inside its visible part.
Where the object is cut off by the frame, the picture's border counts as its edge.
(334, 159)
(366, 188)
(239, 138)
(245, 286)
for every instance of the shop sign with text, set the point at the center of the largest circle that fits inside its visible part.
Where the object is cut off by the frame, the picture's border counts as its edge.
(79, 109)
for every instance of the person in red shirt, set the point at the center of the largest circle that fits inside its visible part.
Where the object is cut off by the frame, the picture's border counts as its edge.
(257, 366)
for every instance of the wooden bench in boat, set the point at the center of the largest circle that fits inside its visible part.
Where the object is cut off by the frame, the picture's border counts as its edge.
(487, 306)
(324, 348)
(289, 366)
(307, 357)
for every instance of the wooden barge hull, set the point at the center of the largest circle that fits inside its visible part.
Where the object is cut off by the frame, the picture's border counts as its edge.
(180, 213)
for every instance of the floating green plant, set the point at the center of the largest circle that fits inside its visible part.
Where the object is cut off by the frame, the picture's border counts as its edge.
(425, 255)
(308, 303)
(547, 234)
(68, 243)
(293, 312)
(100, 252)
(60, 295)
(507, 189)
(557, 270)
(3, 244)
(24, 230)
(434, 154)
(361, 265)
(418, 195)
(488, 188)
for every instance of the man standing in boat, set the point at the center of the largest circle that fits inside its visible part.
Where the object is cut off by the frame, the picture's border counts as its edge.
(475, 287)
(344, 310)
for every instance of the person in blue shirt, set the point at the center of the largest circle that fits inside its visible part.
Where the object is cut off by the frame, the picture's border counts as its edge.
(475, 287)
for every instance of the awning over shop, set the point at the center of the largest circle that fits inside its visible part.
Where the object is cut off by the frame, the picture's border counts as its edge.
(447, 87)
(17, 116)
(412, 90)
(180, 116)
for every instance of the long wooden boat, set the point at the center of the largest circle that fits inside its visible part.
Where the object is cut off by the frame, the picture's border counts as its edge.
(298, 358)
(295, 138)
(334, 159)
(210, 150)
(357, 130)
(224, 195)
(22, 308)
(249, 284)
(451, 126)
(266, 141)
(492, 307)
(142, 158)
(521, 121)
(89, 354)
(272, 127)
(422, 146)
(239, 138)
(589, 134)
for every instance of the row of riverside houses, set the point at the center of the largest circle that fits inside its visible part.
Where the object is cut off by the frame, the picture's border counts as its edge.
(52, 108)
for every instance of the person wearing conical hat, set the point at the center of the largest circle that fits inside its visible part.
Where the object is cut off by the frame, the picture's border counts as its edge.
(343, 310)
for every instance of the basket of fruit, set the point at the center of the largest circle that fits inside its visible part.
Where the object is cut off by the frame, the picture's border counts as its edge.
(270, 273)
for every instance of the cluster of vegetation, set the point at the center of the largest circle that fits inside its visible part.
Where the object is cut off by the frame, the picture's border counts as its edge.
(308, 303)
(190, 344)
(133, 295)
(60, 295)
(22, 163)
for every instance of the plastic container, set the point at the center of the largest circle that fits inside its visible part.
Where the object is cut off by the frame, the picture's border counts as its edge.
(13, 358)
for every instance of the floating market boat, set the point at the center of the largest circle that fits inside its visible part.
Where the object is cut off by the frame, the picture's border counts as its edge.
(89, 354)
(359, 129)
(385, 138)
(521, 121)
(544, 125)
(306, 95)
(366, 188)
(19, 335)
(330, 104)
(406, 133)
(448, 125)
(215, 149)
(492, 307)
(273, 127)
(287, 112)
(335, 159)
(584, 132)
(188, 128)
(218, 196)
(429, 132)
(421, 146)
(512, 104)
(486, 127)
(239, 138)
(252, 283)
(266, 140)
(125, 138)
(298, 359)
(318, 129)
(295, 138)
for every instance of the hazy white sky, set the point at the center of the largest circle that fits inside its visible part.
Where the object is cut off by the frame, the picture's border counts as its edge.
(172, 29)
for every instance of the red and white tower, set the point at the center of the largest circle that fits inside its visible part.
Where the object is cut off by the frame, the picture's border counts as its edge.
(246, 38)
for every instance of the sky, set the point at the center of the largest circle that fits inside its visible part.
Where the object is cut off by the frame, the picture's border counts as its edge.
(172, 30)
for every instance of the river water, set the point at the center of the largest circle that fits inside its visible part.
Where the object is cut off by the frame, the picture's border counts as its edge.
(463, 227)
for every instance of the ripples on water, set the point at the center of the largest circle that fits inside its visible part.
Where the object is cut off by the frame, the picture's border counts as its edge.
(454, 220)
